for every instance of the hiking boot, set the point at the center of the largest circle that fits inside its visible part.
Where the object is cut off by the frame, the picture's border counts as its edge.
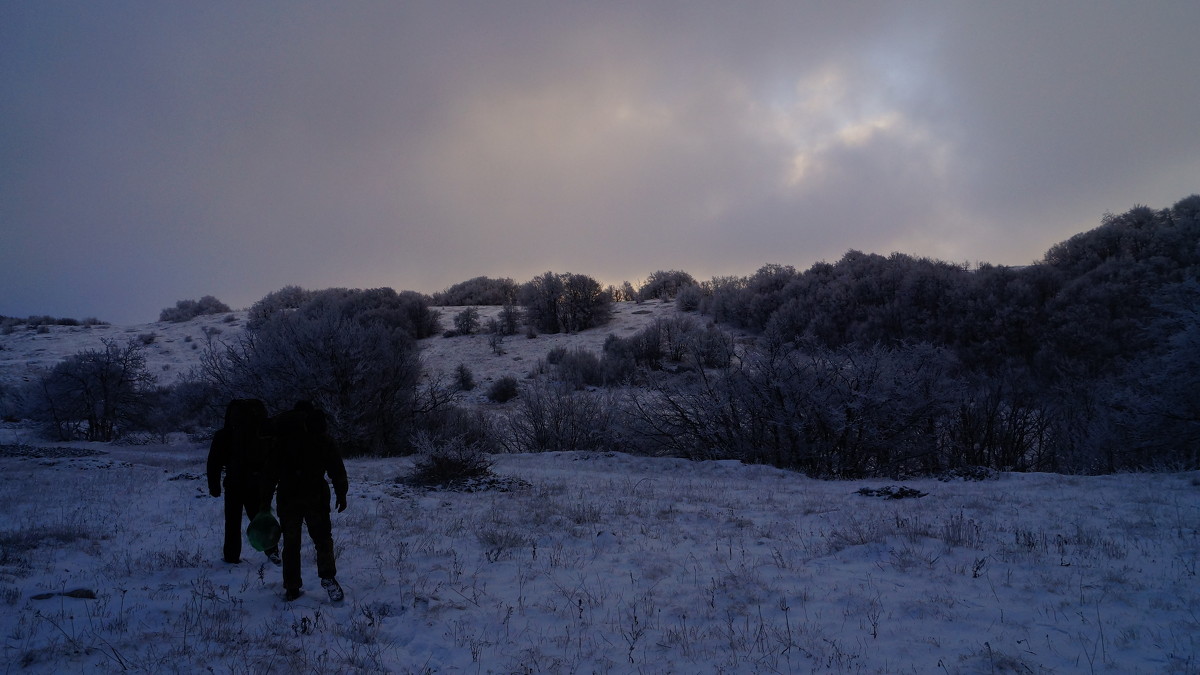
(292, 593)
(273, 556)
(336, 594)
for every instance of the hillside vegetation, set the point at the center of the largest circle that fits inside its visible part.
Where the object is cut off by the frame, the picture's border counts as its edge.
(1084, 361)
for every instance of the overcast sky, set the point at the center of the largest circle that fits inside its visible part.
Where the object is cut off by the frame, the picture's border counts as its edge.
(157, 151)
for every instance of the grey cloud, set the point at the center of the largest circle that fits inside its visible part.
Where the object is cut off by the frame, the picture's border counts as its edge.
(155, 152)
(1073, 102)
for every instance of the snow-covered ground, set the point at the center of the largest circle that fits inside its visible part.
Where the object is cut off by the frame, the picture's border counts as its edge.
(605, 563)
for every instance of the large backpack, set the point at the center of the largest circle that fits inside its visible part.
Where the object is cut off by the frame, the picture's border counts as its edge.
(299, 436)
(245, 422)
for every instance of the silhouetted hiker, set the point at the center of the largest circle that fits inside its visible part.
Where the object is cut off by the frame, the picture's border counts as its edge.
(303, 455)
(242, 451)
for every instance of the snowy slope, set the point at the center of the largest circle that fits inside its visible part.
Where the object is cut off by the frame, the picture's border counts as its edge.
(607, 563)
(171, 349)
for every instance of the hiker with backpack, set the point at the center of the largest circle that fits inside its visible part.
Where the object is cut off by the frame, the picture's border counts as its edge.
(240, 450)
(303, 455)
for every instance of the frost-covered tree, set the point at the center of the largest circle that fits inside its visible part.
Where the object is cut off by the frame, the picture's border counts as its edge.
(626, 293)
(1154, 406)
(584, 303)
(478, 291)
(353, 353)
(508, 321)
(467, 321)
(565, 302)
(94, 394)
(540, 297)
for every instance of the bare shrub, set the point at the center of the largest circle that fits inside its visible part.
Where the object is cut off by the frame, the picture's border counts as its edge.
(499, 542)
(495, 339)
(452, 460)
(958, 530)
(553, 417)
(464, 378)
(503, 390)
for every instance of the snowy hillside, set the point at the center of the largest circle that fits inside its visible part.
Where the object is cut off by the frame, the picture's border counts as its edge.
(585, 562)
(172, 349)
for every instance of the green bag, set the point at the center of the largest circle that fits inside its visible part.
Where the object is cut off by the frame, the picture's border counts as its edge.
(264, 531)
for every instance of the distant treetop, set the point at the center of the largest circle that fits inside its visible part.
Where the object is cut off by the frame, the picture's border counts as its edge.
(186, 310)
(478, 291)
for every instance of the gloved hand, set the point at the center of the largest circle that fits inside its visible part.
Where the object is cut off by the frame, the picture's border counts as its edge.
(341, 504)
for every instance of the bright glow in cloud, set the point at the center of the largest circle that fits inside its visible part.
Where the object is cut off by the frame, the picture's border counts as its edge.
(157, 152)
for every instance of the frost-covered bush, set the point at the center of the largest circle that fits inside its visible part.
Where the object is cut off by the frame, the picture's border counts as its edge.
(711, 347)
(555, 417)
(689, 298)
(478, 291)
(846, 413)
(503, 390)
(190, 405)
(353, 353)
(284, 299)
(643, 348)
(679, 340)
(186, 310)
(450, 422)
(664, 285)
(581, 368)
(408, 310)
(464, 379)
(449, 461)
(10, 403)
(9, 323)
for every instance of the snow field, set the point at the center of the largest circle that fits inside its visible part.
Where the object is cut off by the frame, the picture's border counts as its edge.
(605, 562)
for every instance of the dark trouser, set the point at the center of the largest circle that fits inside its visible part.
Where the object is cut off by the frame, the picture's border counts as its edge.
(239, 499)
(321, 532)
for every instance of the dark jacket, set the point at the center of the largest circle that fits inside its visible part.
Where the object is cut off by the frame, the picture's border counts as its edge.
(303, 455)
